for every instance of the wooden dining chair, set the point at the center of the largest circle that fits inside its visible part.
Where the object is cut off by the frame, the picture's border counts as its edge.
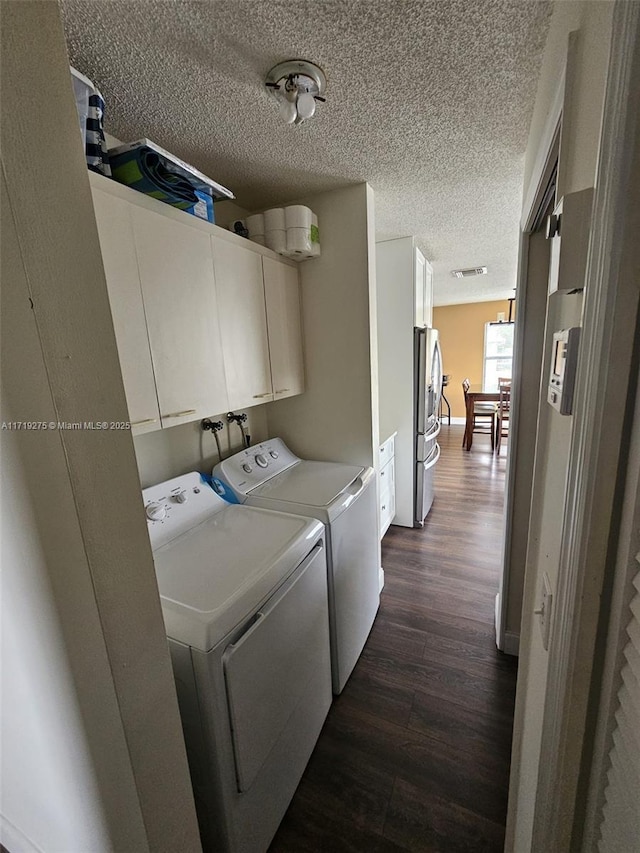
(483, 417)
(502, 413)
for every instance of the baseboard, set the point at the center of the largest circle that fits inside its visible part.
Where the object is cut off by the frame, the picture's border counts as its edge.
(454, 421)
(380, 578)
(511, 643)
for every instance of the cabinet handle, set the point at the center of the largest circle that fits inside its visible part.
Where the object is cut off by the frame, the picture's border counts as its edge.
(260, 396)
(181, 414)
(144, 421)
(282, 391)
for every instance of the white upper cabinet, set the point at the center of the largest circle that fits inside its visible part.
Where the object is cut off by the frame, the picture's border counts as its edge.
(422, 290)
(282, 297)
(115, 231)
(179, 291)
(428, 294)
(419, 265)
(243, 323)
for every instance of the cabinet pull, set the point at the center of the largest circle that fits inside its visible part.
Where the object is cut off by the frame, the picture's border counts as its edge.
(144, 421)
(260, 396)
(282, 391)
(181, 414)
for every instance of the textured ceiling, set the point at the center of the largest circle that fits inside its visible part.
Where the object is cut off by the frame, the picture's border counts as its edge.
(427, 100)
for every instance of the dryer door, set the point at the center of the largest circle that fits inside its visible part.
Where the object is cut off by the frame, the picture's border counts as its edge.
(268, 669)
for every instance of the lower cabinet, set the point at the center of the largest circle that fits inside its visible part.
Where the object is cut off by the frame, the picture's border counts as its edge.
(387, 483)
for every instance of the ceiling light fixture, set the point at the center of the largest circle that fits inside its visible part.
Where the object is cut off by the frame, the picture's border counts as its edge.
(297, 85)
(470, 271)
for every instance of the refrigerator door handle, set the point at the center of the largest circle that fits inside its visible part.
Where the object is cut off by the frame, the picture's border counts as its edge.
(436, 456)
(434, 432)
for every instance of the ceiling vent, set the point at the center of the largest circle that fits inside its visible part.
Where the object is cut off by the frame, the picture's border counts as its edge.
(471, 271)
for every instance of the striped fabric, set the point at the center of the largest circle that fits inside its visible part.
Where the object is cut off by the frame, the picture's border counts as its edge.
(95, 145)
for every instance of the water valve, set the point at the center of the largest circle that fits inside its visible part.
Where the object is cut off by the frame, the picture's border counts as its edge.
(214, 426)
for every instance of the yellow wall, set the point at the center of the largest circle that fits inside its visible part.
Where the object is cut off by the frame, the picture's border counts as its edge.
(461, 329)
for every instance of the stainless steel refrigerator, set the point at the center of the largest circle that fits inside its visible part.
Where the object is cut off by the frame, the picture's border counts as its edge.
(427, 377)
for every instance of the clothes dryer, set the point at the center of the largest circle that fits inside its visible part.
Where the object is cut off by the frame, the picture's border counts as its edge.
(343, 497)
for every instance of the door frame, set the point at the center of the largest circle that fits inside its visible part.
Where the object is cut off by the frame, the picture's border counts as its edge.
(604, 389)
(509, 641)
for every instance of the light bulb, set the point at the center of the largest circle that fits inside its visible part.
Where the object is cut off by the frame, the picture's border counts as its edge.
(306, 105)
(288, 110)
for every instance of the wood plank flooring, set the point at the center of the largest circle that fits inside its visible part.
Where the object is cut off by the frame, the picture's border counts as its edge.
(414, 755)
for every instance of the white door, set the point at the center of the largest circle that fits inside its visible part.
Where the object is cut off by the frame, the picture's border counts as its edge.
(419, 272)
(284, 324)
(179, 291)
(115, 231)
(243, 323)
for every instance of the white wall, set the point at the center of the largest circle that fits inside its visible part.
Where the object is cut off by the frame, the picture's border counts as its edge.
(93, 756)
(337, 418)
(579, 144)
(51, 799)
(167, 453)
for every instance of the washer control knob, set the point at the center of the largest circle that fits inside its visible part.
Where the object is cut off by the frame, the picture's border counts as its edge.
(156, 511)
(246, 467)
(261, 460)
(274, 454)
(180, 496)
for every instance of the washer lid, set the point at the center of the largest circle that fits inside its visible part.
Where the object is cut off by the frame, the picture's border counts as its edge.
(213, 576)
(315, 484)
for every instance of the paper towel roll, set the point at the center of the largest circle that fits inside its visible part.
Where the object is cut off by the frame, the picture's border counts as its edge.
(299, 241)
(274, 219)
(255, 224)
(258, 238)
(276, 239)
(315, 236)
(297, 216)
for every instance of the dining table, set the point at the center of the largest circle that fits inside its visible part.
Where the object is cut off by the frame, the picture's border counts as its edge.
(476, 394)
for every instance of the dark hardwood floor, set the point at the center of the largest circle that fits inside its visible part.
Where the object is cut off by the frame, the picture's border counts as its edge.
(415, 751)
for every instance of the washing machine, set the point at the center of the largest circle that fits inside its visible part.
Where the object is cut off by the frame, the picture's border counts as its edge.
(245, 605)
(343, 497)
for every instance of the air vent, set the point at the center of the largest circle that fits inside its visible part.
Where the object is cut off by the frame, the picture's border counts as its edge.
(471, 271)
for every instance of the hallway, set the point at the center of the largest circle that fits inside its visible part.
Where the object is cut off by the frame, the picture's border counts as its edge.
(414, 755)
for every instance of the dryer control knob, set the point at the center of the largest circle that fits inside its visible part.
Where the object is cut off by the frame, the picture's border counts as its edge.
(261, 460)
(274, 454)
(181, 496)
(246, 467)
(156, 511)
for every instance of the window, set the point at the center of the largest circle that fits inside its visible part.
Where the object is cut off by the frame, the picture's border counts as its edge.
(498, 353)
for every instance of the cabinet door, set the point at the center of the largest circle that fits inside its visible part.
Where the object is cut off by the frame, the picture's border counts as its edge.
(419, 269)
(282, 297)
(115, 231)
(428, 294)
(179, 291)
(243, 323)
